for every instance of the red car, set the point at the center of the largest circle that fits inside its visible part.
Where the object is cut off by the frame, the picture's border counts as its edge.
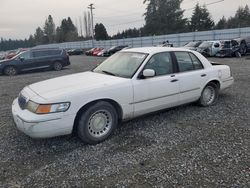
(13, 53)
(96, 51)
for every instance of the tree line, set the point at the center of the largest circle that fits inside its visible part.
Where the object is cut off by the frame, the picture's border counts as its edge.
(161, 17)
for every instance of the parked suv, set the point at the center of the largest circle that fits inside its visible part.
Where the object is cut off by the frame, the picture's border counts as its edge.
(34, 59)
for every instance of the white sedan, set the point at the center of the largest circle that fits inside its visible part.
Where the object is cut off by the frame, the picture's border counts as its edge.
(130, 83)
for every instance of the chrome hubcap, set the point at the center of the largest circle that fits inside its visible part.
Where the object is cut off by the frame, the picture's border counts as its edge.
(58, 66)
(100, 123)
(10, 71)
(209, 95)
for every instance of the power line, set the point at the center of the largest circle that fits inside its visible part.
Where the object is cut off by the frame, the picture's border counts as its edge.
(136, 21)
(125, 23)
(207, 4)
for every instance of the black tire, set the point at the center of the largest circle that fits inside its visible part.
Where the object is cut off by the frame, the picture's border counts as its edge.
(10, 71)
(243, 48)
(97, 123)
(237, 54)
(57, 66)
(211, 89)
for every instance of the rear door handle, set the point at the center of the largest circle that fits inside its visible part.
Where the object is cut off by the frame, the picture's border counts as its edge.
(175, 80)
(203, 75)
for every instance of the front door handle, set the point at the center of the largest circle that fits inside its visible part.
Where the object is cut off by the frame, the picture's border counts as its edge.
(203, 75)
(175, 80)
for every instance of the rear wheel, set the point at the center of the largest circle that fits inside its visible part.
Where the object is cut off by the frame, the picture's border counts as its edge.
(209, 95)
(97, 123)
(57, 66)
(10, 71)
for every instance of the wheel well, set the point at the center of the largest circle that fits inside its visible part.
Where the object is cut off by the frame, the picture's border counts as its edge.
(215, 82)
(57, 61)
(9, 66)
(112, 102)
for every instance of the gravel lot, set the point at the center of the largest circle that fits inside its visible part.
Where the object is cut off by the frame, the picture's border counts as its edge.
(188, 146)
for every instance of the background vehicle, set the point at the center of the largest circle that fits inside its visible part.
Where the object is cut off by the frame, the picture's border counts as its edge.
(75, 52)
(209, 48)
(35, 59)
(192, 45)
(11, 54)
(229, 48)
(244, 43)
(90, 52)
(2, 55)
(96, 51)
(113, 50)
(101, 53)
(130, 83)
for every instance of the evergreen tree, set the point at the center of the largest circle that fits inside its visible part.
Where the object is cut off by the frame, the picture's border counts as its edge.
(164, 17)
(101, 32)
(201, 19)
(49, 29)
(222, 23)
(39, 36)
(68, 31)
(242, 17)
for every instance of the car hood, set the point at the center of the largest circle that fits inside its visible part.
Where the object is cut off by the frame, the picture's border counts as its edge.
(5, 61)
(189, 48)
(81, 82)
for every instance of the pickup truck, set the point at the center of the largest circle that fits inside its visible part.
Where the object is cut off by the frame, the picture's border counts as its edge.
(131, 83)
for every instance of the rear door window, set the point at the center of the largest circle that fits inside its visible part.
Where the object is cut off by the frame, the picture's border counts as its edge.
(184, 61)
(187, 61)
(38, 54)
(196, 62)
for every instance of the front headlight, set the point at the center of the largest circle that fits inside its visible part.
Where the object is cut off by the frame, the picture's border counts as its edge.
(47, 108)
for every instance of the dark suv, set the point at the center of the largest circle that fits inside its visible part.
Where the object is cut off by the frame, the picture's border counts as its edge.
(34, 59)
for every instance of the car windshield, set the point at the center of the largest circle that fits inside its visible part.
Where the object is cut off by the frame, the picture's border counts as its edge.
(191, 44)
(226, 44)
(122, 64)
(18, 55)
(206, 44)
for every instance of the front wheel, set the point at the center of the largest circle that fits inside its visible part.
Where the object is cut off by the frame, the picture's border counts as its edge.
(209, 95)
(97, 123)
(10, 71)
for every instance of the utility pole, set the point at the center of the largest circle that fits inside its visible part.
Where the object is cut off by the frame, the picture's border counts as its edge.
(91, 7)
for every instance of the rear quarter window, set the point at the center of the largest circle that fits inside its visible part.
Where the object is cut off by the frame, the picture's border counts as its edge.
(196, 62)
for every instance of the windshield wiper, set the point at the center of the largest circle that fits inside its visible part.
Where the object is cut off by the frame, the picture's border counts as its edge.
(109, 73)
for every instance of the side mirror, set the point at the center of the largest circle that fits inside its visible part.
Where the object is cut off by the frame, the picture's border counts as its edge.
(21, 58)
(148, 73)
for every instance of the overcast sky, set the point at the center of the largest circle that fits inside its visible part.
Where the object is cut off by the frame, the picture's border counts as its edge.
(20, 18)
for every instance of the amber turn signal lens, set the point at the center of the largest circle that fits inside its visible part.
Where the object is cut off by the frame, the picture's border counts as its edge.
(43, 109)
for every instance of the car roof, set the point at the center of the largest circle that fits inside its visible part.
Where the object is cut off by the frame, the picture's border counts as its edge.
(44, 49)
(153, 50)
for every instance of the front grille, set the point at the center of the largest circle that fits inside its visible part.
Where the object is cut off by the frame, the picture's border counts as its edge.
(22, 101)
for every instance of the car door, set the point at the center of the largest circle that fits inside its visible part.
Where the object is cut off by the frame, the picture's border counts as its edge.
(42, 59)
(158, 92)
(192, 76)
(25, 61)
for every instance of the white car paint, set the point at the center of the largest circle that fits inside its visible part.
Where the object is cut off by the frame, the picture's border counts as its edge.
(134, 96)
(213, 49)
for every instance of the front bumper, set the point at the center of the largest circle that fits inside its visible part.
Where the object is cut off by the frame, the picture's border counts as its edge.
(41, 126)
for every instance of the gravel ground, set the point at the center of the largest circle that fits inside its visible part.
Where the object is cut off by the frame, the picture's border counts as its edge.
(187, 146)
